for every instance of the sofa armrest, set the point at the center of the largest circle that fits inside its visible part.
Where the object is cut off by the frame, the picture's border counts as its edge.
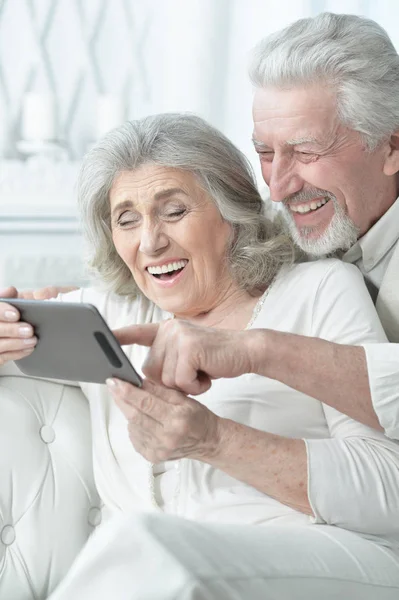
(48, 500)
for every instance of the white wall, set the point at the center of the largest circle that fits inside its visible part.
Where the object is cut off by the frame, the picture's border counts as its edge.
(159, 54)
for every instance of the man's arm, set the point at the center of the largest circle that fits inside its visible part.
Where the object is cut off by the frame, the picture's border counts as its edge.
(333, 373)
(188, 357)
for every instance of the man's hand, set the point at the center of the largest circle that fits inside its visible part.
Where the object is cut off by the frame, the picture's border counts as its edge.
(187, 357)
(165, 424)
(45, 293)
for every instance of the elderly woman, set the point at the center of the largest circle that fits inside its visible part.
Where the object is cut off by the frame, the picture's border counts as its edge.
(221, 496)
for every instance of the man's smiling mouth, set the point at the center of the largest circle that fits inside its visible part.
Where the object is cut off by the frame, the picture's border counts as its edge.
(308, 206)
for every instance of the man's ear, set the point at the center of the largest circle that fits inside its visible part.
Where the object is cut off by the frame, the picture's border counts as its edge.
(391, 164)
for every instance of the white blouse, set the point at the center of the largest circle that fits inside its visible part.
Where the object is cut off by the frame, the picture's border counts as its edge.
(360, 489)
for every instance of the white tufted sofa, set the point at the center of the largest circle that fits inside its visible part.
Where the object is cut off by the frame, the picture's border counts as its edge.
(48, 501)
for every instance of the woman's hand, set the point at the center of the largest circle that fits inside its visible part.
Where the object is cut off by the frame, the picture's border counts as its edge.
(17, 338)
(165, 424)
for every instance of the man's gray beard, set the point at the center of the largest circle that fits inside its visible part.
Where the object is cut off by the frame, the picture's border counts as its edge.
(340, 234)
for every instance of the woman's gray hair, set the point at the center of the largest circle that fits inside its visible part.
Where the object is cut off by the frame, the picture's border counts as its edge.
(352, 54)
(258, 249)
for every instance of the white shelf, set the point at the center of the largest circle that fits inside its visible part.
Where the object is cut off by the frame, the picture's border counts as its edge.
(45, 190)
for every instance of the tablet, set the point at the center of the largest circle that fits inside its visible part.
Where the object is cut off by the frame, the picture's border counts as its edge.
(74, 343)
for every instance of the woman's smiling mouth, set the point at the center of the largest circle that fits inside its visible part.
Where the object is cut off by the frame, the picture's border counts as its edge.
(168, 272)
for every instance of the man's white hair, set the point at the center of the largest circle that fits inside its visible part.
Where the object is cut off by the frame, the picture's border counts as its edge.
(352, 54)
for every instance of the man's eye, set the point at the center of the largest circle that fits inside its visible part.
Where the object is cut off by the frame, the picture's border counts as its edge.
(307, 156)
(267, 156)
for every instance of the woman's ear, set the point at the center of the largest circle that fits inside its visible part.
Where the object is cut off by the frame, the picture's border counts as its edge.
(391, 164)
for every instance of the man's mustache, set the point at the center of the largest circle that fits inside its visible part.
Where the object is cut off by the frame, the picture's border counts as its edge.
(307, 196)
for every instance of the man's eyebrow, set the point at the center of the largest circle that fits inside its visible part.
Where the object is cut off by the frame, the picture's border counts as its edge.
(260, 145)
(293, 142)
(161, 195)
(302, 140)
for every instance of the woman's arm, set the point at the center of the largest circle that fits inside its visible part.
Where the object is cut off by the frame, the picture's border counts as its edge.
(354, 477)
(272, 464)
(165, 424)
(350, 480)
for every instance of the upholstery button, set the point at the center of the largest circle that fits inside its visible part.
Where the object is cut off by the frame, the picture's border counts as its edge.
(7, 535)
(94, 516)
(47, 434)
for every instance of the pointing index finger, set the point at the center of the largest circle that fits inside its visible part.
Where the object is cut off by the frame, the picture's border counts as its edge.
(144, 335)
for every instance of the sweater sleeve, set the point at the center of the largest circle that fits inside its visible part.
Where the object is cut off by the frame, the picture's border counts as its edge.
(383, 370)
(353, 476)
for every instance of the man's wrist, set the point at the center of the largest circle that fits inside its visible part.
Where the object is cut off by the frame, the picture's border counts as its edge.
(258, 345)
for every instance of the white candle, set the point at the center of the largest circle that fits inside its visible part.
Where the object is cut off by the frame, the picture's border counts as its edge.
(39, 117)
(110, 113)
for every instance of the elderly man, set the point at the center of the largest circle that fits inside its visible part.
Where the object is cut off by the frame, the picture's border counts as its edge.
(326, 128)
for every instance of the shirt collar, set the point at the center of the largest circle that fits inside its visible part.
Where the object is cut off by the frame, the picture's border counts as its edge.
(377, 241)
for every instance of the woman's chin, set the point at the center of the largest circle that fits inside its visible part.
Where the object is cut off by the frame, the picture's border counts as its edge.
(171, 303)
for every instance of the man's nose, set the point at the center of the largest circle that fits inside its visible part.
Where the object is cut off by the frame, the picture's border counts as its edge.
(284, 180)
(153, 239)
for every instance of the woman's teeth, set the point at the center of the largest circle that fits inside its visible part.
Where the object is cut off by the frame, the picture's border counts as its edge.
(167, 268)
(305, 208)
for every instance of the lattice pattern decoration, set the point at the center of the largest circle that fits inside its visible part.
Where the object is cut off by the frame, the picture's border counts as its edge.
(75, 49)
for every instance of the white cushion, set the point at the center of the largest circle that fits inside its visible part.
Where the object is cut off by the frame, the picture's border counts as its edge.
(48, 500)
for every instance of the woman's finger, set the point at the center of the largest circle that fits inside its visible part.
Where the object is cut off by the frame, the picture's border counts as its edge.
(17, 344)
(9, 356)
(8, 313)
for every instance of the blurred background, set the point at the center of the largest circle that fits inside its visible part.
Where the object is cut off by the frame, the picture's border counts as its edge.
(70, 70)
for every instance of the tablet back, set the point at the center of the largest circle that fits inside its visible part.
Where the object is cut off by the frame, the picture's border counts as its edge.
(74, 343)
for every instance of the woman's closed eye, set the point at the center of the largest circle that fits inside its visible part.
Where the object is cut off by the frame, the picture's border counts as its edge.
(128, 219)
(174, 214)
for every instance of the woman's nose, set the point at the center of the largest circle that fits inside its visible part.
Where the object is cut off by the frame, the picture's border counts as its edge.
(153, 240)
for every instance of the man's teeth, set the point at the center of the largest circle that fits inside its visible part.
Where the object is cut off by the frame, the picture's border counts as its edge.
(168, 268)
(305, 208)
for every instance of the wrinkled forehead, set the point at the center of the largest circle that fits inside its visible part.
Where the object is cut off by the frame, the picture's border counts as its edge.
(152, 184)
(299, 113)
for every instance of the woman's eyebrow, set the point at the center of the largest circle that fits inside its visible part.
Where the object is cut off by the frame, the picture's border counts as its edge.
(169, 192)
(161, 195)
(121, 205)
